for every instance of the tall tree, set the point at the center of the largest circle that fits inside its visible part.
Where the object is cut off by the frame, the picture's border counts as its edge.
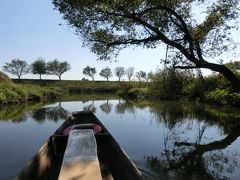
(89, 71)
(17, 67)
(119, 72)
(129, 73)
(149, 76)
(141, 75)
(106, 73)
(57, 68)
(39, 67)
(138, 76)
(109, 26)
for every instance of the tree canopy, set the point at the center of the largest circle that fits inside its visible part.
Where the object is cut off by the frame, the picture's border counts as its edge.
(39, 67)
(106, 73)
(17, 67)
(57, 68)
(89, 71)
(119, 72)
(129, 73)
(109, 26)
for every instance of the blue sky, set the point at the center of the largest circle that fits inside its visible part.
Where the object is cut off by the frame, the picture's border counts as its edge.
(30, 29)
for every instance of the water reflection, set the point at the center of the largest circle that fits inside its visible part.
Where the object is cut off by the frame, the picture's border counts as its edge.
(195, 141)
(194, 159)
(90, 107)
(17, 114)
(54, 113)
(120, 107)
(106, 107)
(37, 112)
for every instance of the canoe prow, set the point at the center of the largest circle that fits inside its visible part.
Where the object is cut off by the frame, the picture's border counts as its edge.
(114, 163)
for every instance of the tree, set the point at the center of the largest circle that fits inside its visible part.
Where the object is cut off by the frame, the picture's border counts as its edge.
(17, 67)
(138, 76)
(129, 73)
(167, 84)
(39, 67)
(141, 75)
(119, 72)
(233, 65)
(109, 26)
(57, 68)
(106, 73)
(149, 76)
(89, 71)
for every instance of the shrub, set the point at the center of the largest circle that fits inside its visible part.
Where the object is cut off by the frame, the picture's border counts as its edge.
(11, 93)
(217, 96)
(167, 84)
(234, 99)
(138, 93)
(223, 96)
(3, 77)
(220, 96)
(195, 89)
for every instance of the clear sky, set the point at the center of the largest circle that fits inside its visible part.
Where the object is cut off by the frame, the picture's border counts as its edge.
(30, 29)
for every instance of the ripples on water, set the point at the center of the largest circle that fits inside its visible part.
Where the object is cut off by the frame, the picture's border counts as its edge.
(167, 140)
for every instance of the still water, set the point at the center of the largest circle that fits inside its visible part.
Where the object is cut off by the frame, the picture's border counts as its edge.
(166, 140)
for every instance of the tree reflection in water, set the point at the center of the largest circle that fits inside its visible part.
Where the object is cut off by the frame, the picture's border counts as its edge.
(54, 113)
(185, 155)
(120, 107)
(90, 107)
(106, 107)
(197, 157)
(17, 114)
(186, 158)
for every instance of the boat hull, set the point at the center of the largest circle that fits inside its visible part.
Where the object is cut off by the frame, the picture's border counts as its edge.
(114, 163)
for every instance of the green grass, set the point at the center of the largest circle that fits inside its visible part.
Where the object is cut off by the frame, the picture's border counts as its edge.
(11, 93)
(76, 86)
(26, 90)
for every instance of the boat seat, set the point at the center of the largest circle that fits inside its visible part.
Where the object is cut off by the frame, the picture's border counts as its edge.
(80, 161)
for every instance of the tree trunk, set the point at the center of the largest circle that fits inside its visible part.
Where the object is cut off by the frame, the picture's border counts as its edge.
(40, 76)
(59, 77)
(228, 74)
(107, 79)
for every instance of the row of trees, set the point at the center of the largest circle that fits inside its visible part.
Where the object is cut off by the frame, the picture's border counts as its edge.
(19, 67)
(120, 72)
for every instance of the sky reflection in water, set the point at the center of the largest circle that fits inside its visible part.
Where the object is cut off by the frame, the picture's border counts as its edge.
(165, 139)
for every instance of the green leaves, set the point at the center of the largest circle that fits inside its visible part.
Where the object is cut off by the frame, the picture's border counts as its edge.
(17, 67)
(57, 68)
(106, 73)
(39, 67)
(89, 71)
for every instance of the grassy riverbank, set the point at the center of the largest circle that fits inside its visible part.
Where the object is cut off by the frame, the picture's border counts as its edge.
(19, 91)
(11, 93)
(164, 86)
(76, 86)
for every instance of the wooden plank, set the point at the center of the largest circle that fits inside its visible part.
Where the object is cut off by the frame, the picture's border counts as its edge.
(80, 161)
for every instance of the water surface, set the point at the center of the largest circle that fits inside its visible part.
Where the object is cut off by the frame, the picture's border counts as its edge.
(166, 140)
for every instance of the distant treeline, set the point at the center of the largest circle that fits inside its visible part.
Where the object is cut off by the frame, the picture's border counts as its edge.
(19, 67)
